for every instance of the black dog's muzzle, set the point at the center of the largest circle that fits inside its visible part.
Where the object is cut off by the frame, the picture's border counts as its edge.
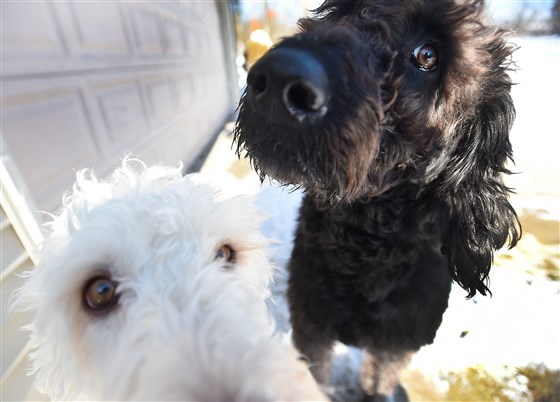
(292, 77)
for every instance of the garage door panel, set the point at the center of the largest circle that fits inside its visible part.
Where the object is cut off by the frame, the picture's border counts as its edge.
(86, 18)
(48, 133)
(159, 99)
(147, 36)
(38, 36)
(175, 39)
(182, 86)
(122, 110)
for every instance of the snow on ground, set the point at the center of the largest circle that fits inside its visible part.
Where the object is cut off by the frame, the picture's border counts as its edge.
(519, 324)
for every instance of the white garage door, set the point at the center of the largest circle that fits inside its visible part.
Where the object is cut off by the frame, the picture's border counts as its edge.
(85, 82)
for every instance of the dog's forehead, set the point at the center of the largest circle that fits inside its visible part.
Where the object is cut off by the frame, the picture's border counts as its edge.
(183, 220)
(401, 16)
(391, 7)
(175, 212)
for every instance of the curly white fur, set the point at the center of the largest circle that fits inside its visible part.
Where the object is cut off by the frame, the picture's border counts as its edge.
(187, 325)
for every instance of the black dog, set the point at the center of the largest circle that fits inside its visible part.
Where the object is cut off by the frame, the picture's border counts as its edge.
(394, 115)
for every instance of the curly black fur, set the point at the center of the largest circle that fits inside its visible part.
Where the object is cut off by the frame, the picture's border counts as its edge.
(403, 173)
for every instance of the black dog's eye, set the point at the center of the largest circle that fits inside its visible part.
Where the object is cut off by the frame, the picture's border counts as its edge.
(100, 293)
(226, 252)
(425, 57)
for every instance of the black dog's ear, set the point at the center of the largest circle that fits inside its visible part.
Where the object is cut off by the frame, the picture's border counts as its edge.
(479, 216)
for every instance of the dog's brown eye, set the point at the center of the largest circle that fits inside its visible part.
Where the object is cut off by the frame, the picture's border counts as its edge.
(425, 57)
(225, 252)
(100, 293)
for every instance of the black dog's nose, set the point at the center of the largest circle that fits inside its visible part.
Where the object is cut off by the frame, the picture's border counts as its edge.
(293, 76)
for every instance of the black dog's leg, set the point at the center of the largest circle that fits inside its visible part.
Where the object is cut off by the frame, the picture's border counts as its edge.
(380, 373)
(310, 300)
(318, 350)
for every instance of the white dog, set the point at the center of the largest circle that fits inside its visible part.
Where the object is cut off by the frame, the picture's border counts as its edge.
(152, 286)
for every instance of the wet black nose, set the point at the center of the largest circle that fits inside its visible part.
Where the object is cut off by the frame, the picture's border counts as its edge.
(293, 77)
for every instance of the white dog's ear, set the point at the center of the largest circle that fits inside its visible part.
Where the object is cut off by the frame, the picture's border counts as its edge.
(51, 377)
(46, 360)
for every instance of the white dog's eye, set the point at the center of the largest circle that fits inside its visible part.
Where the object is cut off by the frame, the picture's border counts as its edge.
(100, 293)
(226, 252)
(425, 57)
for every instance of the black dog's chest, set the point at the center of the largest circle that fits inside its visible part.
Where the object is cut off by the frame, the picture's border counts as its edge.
(362, 267)
(368, 247)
